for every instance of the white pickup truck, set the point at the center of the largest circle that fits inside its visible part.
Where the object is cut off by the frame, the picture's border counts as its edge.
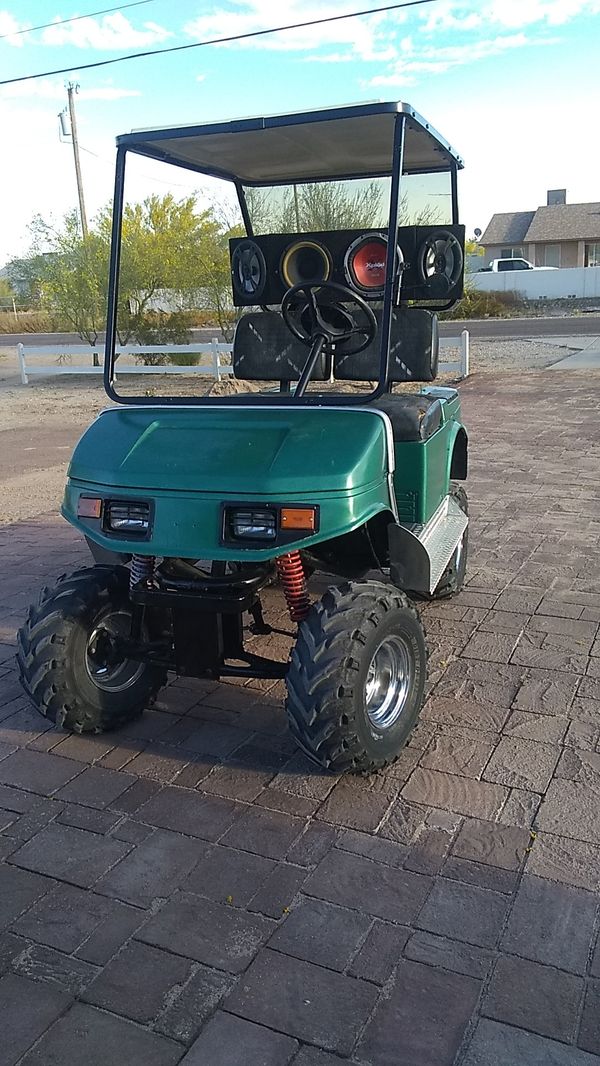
(500, 265)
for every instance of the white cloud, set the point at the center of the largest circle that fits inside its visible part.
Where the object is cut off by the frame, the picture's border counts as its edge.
(383, 55)
(112, 31)
(437, 60)
(514, 14)
(330, 57)
(451, 16)
(9, 26)
(505, 14)
(365, 37)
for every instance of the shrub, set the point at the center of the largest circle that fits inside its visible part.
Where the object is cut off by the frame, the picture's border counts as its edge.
(478, 304)
(184, 358)
(155, 327)
(32, 322)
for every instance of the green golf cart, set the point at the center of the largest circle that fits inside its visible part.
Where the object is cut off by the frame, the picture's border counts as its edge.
(328, 472)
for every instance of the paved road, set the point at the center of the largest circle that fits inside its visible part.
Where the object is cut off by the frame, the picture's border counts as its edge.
(505, 328)
(567, 326)
(35, 447)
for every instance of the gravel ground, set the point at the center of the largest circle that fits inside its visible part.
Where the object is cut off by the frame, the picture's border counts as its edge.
(71, 399)
(495, 355)
(33, 483)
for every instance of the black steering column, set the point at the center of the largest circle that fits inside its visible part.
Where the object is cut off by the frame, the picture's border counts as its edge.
(322, 323)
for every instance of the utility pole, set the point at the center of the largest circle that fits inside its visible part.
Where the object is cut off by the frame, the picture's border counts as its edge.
(71, 89)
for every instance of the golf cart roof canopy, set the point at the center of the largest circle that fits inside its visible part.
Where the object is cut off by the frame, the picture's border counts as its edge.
(342, 142)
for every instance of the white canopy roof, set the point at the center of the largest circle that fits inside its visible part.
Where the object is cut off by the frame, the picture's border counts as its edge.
(353, 141)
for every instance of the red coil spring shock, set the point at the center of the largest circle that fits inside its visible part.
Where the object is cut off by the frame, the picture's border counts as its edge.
(291, 575)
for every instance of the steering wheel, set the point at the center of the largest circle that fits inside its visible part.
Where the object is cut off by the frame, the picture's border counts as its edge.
(308, 316)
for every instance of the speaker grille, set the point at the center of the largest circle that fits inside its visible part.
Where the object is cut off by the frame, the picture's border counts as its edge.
(248, 271)
(440, 262)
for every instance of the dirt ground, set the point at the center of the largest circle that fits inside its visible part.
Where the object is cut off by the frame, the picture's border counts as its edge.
(41, 422)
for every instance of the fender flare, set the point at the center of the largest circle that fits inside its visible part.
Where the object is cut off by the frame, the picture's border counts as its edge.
(458, 449)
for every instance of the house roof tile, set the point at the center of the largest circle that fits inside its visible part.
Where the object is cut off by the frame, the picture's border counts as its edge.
(509, 227)
(559, 222)
(566, 222)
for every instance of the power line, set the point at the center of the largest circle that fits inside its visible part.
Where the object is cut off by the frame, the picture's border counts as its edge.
(147, 177)
(74, 18)
(219, 40)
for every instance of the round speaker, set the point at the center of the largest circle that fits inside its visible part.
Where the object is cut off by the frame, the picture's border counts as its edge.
(305, 261)
(365, 263)
(440, 262)
(248, 271)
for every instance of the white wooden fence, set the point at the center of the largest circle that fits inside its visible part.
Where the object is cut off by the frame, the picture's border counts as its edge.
(459, 367)
(64, 353)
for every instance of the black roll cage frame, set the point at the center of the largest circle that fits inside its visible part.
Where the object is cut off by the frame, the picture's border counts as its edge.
(390, 296)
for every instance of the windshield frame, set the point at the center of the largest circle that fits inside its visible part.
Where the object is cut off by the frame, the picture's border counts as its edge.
(391, 294)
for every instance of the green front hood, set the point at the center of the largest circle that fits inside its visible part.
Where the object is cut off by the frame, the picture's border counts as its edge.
(261, 451)
(190, 462)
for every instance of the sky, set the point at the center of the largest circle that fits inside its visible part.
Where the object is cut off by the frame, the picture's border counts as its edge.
(512, 84)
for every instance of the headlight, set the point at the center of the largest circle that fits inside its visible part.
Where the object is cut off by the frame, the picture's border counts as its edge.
(252, 525)
(127, 517)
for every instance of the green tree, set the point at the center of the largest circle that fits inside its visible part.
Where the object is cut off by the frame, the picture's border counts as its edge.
(473, 247)
(6, 290)
(166, 254)
(68, 274)
(174, 260)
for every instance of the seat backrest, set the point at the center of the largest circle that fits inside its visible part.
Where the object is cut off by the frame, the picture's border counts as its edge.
(414, 350)
(265, 350)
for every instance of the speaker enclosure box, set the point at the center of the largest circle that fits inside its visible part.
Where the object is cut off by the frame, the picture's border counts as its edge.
(287, 255)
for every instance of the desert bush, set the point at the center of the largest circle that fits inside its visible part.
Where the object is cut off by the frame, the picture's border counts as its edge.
(156, 327)
(184, 358)
(32, 322)
(478, 304)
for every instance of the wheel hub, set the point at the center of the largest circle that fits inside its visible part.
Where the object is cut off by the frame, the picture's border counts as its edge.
(388, 682)
(105, 664)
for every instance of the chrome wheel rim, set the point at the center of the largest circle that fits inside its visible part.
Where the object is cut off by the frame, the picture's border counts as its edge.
(389, 681)
(104, 670)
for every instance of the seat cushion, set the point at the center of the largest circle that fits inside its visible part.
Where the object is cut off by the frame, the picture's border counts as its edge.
(413, 416)
(265, 350)
(414, 347)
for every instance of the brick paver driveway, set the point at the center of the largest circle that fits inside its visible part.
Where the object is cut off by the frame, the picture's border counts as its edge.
(189, 890)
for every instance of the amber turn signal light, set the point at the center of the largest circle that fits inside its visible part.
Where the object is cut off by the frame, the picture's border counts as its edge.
(87, 507)
(297, 518)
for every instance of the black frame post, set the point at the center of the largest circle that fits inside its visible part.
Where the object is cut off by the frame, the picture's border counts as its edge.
(113, 277)
(390, 267)
(454, 190)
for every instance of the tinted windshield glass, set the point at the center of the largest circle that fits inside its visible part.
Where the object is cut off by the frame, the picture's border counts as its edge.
(426, 199)
(317, 206)
(355, 204)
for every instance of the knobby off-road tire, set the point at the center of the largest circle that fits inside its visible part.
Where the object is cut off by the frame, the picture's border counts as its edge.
(452, 580)
(57, 651)
(357, 677)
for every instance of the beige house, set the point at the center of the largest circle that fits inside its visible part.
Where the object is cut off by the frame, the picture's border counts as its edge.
(557, 235)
